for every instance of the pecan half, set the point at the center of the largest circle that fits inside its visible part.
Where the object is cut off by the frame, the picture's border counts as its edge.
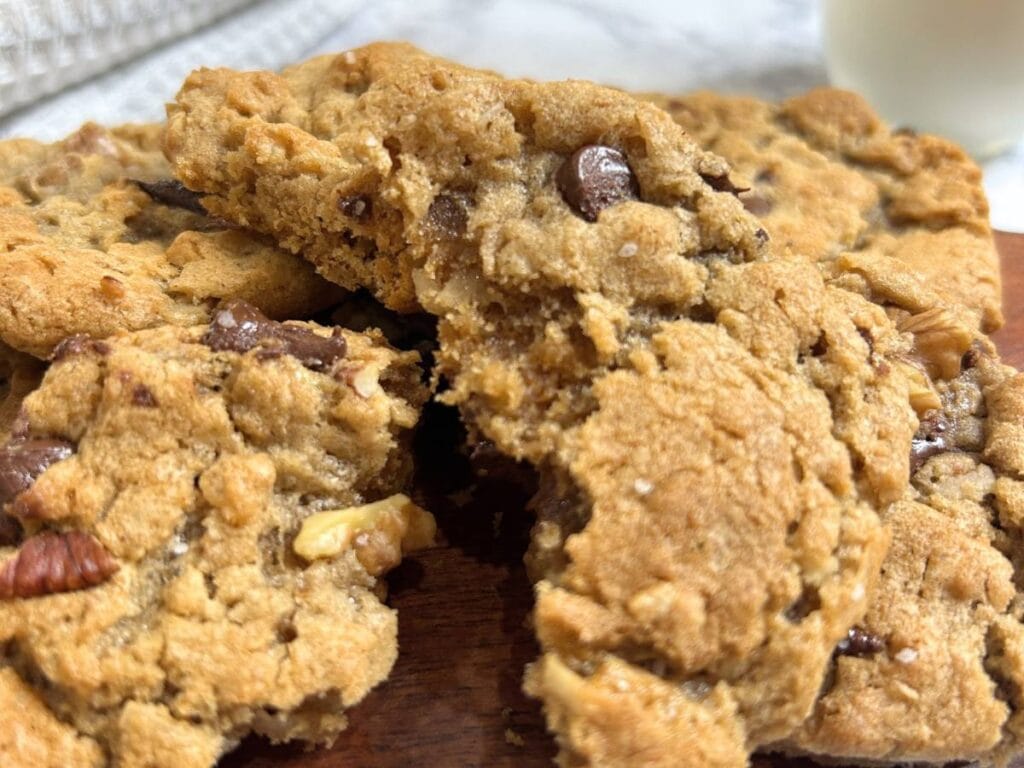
(49, 562)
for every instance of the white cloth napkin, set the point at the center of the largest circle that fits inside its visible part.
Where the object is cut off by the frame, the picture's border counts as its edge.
(46, 45)
(263, 35)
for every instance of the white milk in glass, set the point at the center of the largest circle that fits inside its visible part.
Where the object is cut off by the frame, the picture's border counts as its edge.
(951, 67)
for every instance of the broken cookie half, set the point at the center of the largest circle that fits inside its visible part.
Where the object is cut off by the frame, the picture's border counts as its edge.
(715, 429)
(200, 521)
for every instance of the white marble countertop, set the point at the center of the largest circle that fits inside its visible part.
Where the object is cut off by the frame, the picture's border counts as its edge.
(769, 48)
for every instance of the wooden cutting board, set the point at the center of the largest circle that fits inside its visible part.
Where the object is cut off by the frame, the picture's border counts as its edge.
(454, 699)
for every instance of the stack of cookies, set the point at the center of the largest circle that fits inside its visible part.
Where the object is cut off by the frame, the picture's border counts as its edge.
(780, 465)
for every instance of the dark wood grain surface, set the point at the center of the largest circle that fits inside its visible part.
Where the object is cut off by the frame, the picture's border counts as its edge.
(453, 700)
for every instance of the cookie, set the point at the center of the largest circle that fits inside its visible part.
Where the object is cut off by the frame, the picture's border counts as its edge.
(203, 518)
(589, 265)
(934, 672)
(98, 239)
(834, 185)
(19, 375)
(716, 545)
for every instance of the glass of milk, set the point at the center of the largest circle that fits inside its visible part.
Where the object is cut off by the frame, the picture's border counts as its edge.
(950, 67)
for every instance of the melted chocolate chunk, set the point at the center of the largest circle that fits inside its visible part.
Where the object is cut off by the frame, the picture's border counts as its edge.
(173, 193)
(240, 327)
(929, 441)
(972, 357)
(722, 183)
(143, 397)
(22, 461)
(79, 344)
(594, 178)
(860, 642)
(49, 562)
(820, 346)
(448, 215)
(356, 207)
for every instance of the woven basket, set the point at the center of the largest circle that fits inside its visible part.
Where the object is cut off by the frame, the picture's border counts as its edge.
(46, 45)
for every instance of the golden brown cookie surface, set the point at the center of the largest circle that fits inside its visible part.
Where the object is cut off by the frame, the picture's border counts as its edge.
(905, 213)
(203, 516)
(940, 676)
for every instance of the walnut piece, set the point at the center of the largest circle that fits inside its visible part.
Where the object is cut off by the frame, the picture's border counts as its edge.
(940, 340)
(379, 533)
(48, 563)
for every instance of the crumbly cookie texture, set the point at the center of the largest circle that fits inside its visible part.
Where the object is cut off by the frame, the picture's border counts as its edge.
(153, 608)
(471, 196)
(935, 672)
(87, 249)
(19, 375)
(723, 551)
(833, 184)
(932, 673)
(595, 275)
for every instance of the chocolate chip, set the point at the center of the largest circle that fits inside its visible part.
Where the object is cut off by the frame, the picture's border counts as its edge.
(143, 397)
(868, 339)
(173, 193)
(972, 357)
(448, 215)
(758, 205)
(594, 178)
(356, 207)
(929, 441)
(722, 183)
(22, 461)
(240, 327)
(762, 235)
(49, 563)
(860, 642)
(10, 531)
(820, 346)
(808, 602)
(78, 344)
